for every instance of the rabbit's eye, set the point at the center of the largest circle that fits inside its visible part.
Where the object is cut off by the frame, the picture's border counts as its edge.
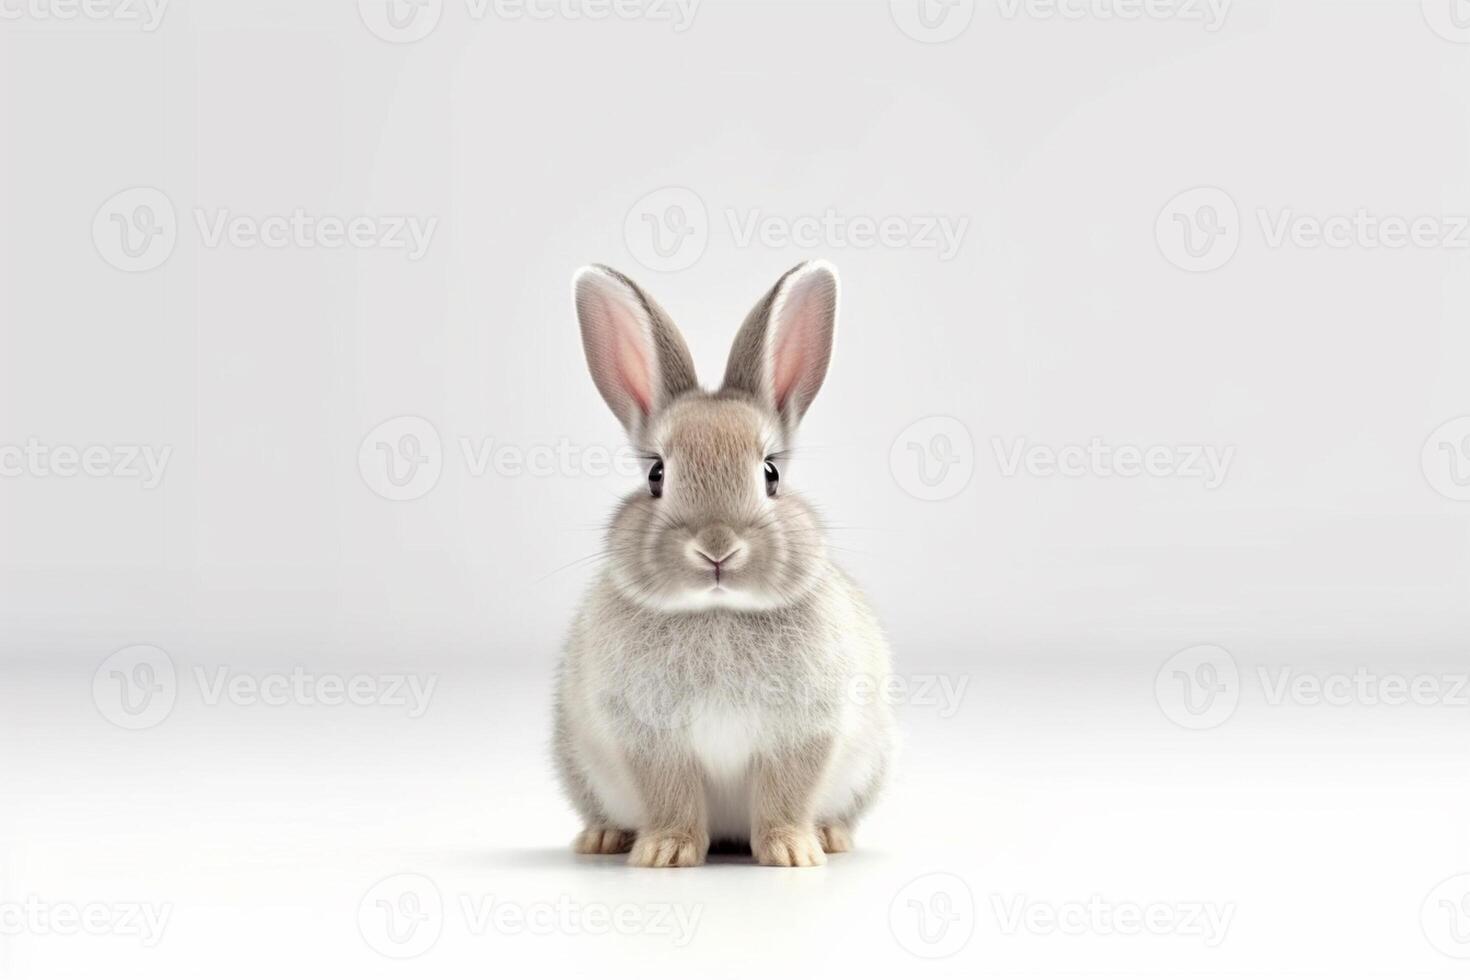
(656, 478)
(773, 477)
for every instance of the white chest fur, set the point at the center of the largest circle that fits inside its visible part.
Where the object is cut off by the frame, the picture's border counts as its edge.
(724, 739)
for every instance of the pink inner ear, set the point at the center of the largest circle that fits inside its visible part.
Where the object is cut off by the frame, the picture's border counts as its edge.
(789, 361)
(796, 351)
(631, 368)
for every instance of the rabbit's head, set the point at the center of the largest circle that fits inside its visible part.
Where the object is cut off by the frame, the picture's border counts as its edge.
(715, 525)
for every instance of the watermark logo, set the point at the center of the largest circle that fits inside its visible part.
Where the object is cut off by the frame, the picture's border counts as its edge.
(146, 15)
(567, 917)
(400, 21)
(1445, 459)
(136, 229)
(1364, 688)
(1199, 229)
(401, 459)
(933, 459)
(943, 693)
(298, 687)
(401, 916)
(1198, 688)
(933, 916)
(407, 21)
(1201, 688)
(1445, 917)
(658, 699)
(658, 702)
(1208, 464)
(35, 916)
(407, 233)
(404, 915)
(932, 21)
(1210, 13)
(1208, 922)
(38, 460)
(941, 234)
(1450, 19)
(136, 687)
(667, 230)
(678, 13)
(1362, 229)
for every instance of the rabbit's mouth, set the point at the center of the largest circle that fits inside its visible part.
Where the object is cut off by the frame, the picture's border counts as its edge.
(719, 583)
(714, 598)
(725, 587)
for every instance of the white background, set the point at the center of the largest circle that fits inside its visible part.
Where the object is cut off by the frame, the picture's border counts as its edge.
(1334, 542)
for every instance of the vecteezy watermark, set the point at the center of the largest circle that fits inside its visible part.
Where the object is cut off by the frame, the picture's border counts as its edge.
(138, 686)
(943, 693)
(648, 696)
(1363, 229)
(38, 460)
(939, 233)
(933, 459)
(1200, 230)
(408, 233)
(137, 229)
(1210, 14)
(145, 15)
(401, 916)
(404, 915)
(1199, 687)
(1450, 19)
(1445, 459)
(1208, 922)
(668, 230)
(1363, 687)
(35, 916)
(1208, 464)
(406, 21)
(932, 21)
(400, 21)
(565, 916)
(1445, 917)
(411, 692)
(933, 916)
(403, 458)
(937, 21)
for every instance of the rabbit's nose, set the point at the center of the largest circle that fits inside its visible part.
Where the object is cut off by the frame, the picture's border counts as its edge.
(715, 547)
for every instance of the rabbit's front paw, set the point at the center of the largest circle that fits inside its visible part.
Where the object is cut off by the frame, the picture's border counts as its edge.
(835, 838)
(788, 847)
(599, 839)
(668, 849)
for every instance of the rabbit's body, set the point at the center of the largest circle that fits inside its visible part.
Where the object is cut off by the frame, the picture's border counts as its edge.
(723, 687)
(722, 679)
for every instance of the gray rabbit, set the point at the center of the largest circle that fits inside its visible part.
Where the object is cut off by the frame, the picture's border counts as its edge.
(723, 679)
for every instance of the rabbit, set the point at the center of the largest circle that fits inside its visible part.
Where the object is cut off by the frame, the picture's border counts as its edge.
(722, 678)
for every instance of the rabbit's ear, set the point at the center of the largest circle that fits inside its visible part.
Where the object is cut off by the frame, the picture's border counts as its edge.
(635, 353)
(782, 350)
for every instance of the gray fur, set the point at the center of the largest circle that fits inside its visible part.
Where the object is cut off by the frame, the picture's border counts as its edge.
(740, 701)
